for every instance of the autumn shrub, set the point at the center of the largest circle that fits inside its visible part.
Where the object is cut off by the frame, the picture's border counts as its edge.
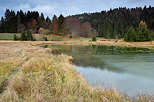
(41, 31)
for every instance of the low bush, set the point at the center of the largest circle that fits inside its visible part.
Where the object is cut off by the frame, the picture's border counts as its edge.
(41, 31)
(94, 38)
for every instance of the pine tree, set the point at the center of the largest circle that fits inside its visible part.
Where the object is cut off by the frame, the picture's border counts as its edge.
(42, 16)
(143, 34)
(61, 21)
(23, 36)
(15, 37)
(2, 25)
(13, 22)
(29, 35)
(55, 25)
(41, 21)
(10, 21)
(131, 35)
(7, 21)
(48, 24)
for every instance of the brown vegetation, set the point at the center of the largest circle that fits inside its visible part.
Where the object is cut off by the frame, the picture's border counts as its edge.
(43, 77)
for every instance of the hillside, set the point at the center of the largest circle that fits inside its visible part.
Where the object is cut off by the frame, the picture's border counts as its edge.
(115, 22)
(108, 24)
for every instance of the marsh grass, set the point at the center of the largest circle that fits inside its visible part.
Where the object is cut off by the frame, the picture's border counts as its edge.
(51, 78)
(7, 66)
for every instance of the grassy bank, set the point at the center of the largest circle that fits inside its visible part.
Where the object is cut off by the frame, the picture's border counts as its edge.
(79, 40)
(33, 74)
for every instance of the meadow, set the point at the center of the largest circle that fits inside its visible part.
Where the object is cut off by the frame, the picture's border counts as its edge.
(8, 36)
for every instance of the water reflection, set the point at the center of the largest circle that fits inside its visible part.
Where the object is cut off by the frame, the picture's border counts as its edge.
(128, 69)
(96, 56)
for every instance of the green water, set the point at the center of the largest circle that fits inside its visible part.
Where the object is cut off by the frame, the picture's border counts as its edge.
(130, 70)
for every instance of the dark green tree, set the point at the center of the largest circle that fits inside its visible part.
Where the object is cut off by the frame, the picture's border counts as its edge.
(15, 37)
(29, 35)
(61, 21)
(131, 35)
(23, 36)
(143, 35)
(10, 21)
(94, 38)
(7, 21)
(2, 25)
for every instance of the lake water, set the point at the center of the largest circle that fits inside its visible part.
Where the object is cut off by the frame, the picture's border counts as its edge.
(129, 70)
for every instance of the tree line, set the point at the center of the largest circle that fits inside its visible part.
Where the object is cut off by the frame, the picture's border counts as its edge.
(139, 35)
(116, 22)
(108, 24)
(13, 22)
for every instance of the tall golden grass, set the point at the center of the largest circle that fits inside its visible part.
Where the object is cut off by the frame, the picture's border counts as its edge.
(44, 77)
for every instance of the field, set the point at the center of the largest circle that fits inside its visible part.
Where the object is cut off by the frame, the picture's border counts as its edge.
(8, 36)
(30, 73)
(39, 37)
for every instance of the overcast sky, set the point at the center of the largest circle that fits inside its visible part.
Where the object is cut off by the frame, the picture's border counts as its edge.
(69, 7)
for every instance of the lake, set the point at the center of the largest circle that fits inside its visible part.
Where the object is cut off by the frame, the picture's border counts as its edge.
(129, 70)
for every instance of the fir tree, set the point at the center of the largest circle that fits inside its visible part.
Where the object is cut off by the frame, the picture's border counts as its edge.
(61, 21)
(2, 25)
(29, 35)
(143, 33)
(15, 37)
(23, 36)
(131, 35)
(55, 25)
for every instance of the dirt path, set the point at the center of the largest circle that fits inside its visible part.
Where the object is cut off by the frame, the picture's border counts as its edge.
(11, 74)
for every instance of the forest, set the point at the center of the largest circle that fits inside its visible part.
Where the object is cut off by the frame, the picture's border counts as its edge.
(18, 22)
(114, 23)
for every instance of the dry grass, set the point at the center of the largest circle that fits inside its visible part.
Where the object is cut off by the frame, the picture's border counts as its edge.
(49, 78)
(8, 63)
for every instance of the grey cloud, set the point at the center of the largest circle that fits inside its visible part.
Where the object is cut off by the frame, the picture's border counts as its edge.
(69, 7)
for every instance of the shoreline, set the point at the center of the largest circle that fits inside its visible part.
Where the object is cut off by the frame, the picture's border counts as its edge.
(37, 75)
(149, 45)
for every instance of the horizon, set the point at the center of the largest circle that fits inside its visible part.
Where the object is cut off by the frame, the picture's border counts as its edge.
(50, 8)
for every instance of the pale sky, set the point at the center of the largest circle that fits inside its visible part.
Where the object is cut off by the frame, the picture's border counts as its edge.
(69, 7)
